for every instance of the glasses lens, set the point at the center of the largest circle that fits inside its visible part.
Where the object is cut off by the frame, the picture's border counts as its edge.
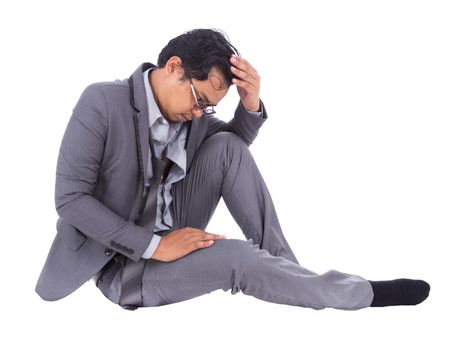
(209, 110)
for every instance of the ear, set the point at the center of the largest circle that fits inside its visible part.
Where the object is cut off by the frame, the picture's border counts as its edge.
(174, 66)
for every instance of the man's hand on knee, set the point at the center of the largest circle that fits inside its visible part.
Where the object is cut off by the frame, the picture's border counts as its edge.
(179, 243)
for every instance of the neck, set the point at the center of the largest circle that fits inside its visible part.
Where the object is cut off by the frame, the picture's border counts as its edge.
(155, 78)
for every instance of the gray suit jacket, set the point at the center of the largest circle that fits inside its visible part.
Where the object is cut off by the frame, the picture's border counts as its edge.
(100, 180)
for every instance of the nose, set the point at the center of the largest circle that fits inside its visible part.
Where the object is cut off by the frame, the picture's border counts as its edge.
(197, 113)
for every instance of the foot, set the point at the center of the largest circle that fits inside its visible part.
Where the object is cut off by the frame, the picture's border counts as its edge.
(399, 292)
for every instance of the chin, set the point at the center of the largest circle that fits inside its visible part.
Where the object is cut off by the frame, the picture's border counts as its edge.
(183, 118)
(173, 118)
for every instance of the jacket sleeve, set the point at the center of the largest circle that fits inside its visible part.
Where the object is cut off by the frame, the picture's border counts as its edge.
(245, 124)
(78, 168)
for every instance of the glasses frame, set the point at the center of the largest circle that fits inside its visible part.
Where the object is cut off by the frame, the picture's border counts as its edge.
(206, 108)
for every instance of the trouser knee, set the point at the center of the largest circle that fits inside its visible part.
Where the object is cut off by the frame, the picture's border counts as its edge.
(238, 255)
(238, 259)
(224, 141)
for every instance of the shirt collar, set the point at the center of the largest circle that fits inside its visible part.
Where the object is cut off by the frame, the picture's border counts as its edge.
(154, 113)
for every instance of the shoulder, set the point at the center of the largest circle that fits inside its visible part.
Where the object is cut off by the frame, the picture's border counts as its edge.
(108, 88)
(102, 94)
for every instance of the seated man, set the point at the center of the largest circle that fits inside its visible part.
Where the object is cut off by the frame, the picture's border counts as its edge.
(141, 168)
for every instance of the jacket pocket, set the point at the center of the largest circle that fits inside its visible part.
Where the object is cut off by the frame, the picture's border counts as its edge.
(72, 237)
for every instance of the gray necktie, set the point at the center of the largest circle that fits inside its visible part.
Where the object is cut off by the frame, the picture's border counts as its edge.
(149, 214)
(131, 295)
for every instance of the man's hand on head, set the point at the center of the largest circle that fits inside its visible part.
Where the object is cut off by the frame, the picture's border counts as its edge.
(248, 84)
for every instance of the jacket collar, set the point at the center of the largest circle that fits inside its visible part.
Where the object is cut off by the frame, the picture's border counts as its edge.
(138, 101)
(138, 98)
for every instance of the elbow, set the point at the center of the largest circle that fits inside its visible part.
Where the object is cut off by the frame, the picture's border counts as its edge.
(64, 201)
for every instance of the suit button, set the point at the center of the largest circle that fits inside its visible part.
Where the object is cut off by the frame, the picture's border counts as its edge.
(108, 251)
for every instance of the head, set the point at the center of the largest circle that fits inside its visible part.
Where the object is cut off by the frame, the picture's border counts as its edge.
(194, 64)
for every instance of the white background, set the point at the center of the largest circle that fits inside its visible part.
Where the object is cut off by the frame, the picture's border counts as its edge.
(368, 153)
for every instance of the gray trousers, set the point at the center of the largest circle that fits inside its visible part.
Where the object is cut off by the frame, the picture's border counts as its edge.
(263, 266)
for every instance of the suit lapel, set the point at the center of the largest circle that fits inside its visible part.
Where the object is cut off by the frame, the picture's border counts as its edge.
(138, 101)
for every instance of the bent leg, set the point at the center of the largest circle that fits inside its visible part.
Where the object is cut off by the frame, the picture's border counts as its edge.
(224, 166)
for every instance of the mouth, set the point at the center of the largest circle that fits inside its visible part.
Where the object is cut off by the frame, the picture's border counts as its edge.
(183, 118)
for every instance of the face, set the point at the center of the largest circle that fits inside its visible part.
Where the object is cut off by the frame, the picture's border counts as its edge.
(174, 94)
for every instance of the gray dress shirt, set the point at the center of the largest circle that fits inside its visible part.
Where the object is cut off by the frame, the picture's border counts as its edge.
(170, 137)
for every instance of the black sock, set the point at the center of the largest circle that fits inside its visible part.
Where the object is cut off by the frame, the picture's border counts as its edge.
(399, 292)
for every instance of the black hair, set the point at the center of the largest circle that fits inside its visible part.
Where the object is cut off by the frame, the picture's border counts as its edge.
(200, 50)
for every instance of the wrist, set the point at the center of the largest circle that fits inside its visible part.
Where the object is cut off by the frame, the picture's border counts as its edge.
(253, 108)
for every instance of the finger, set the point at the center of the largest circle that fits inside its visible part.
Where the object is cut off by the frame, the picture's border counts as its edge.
(245, 72)
(203, 236)
(244, 76)
(246, 65)
(211, 236)
(192, 233)
(243, 84)
(201, 244)
(243, 65)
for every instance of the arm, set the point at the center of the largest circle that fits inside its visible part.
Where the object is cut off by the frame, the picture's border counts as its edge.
(245, 123)
(79, 165)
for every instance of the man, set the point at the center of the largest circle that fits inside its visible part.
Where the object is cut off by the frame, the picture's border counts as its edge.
(142, 166)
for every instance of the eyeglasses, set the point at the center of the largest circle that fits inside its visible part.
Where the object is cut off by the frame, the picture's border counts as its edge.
(206, 108)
